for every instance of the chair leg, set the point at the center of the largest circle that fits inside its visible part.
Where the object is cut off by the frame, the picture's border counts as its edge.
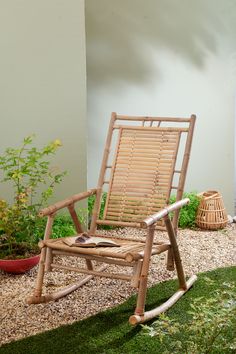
(89, 264)
(49, 260)
(142, 290)
(170, 264)
(141, 316)
(136, 274)
(176, 254)
(37, 295)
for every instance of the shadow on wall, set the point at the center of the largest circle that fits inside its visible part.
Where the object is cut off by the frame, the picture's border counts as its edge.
(122, 34)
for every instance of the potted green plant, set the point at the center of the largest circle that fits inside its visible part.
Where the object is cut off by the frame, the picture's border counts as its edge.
(29, 172)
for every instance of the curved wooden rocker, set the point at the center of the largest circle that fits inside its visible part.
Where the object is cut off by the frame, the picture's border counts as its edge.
(140, 177)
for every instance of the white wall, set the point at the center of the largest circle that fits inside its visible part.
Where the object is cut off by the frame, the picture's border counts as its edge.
(172, 58)
(43, 81)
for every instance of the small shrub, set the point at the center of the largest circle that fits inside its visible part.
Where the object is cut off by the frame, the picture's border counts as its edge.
(27, 169)
(91, 201)
(210, 329)
(63, 226)
(187, 216)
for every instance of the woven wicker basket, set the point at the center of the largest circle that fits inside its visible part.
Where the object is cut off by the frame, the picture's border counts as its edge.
(211, 214)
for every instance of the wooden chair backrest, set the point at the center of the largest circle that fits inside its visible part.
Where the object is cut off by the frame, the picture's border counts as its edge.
(142, 167)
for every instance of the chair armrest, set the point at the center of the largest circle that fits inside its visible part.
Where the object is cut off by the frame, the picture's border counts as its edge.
(66, 202)
(162, 213)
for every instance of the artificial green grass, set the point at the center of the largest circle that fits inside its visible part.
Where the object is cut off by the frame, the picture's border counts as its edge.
(109, 332)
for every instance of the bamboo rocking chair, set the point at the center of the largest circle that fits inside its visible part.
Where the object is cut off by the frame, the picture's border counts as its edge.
(145, 160)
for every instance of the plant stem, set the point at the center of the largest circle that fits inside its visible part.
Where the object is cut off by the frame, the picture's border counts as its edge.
(18, 178)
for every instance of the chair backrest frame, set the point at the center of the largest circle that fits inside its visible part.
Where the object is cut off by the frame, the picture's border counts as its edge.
(162, 131)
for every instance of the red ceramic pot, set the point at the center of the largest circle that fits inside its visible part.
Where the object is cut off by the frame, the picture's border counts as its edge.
(18, 266)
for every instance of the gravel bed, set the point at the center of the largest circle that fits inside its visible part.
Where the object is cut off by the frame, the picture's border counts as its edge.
(200, 250)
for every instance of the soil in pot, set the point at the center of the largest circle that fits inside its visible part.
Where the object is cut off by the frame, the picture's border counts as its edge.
(22, 258)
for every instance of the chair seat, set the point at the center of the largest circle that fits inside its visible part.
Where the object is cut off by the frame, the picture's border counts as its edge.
(128, 250)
